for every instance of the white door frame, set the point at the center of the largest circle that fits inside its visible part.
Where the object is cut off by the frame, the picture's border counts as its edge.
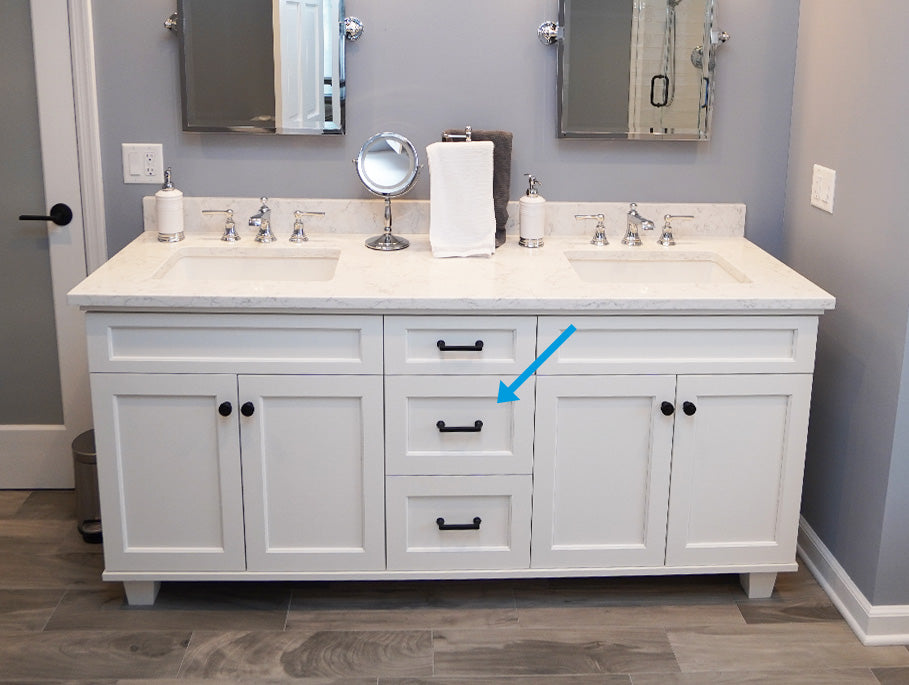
(39, 456)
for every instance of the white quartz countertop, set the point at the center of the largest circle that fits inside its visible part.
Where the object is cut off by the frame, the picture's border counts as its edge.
(515, 279)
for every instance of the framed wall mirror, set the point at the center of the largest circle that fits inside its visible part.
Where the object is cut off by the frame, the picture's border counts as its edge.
(262, 66)
(637, 69)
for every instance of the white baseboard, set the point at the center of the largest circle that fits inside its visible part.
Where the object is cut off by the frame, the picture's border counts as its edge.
(874, 625)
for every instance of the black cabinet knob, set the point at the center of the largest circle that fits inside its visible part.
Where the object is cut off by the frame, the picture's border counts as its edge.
(225, 408)
(247, 409)
(689, 408)
(667, 408)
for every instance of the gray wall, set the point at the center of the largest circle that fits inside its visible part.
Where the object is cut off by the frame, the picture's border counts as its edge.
(414, 73)
(849, 114)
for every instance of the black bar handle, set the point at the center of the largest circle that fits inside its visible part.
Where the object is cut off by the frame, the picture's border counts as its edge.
(475, 428)
(60, 214)
(476, 347)
(440, 522)
(665, 80)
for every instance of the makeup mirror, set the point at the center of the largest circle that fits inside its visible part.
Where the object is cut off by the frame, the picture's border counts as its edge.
(387, 166)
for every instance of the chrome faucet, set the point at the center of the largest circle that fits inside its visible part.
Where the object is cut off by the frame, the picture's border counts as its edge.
(262, 221)
(635, 222)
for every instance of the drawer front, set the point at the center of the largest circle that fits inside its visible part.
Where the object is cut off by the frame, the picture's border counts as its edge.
(457, 522)
(459, 344)
(680, 344)
(455, 426)
(235, 343)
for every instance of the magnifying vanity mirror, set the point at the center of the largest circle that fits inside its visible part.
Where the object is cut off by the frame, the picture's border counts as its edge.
(635, 69)
(388, 166)
(263, 66)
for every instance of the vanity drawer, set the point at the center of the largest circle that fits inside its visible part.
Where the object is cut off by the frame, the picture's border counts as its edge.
(418, 540)
(680, 344)
(477, 435)
(483, 344)
(234, 343)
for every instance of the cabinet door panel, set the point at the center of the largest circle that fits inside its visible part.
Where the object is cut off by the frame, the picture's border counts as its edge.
(601, 471)
(169, 472)
(313, 475)
(737, 469)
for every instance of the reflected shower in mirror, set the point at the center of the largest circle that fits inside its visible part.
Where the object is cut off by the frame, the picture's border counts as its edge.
(634, 69)
(388, 166)
(262, 66)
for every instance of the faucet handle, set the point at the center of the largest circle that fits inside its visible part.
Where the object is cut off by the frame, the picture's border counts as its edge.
(667, 240)
(599, 236)
(230, 228)
(299, 235)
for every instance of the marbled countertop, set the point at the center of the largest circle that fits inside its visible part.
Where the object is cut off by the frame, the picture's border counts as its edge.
(515, 279)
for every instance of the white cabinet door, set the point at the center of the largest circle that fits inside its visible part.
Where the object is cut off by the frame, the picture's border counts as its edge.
(169, 471)
(601, 471)
(737, 469)
(313, 473)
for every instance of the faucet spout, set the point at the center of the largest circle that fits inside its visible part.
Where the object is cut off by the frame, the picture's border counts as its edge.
(262, 221)
(635, 223)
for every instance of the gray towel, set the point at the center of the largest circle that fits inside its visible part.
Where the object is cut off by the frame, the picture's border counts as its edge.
(501, 172)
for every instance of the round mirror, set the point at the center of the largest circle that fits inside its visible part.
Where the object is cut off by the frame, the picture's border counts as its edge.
(388, 166)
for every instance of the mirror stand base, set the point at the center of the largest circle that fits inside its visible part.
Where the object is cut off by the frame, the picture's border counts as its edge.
(387, 241)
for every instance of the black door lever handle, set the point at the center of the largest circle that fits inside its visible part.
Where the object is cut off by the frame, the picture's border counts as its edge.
(60, 214)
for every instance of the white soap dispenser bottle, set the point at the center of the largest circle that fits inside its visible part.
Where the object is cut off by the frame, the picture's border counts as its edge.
(169, 211)
(532, 215)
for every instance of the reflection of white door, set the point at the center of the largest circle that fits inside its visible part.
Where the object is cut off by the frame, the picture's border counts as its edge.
(43, 369)
(299, 70)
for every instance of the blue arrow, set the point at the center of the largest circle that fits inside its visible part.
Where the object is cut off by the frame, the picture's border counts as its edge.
(507, 392)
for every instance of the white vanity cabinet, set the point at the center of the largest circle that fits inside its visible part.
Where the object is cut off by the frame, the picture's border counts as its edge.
(185, 403)
(644, 458)
(458, 463)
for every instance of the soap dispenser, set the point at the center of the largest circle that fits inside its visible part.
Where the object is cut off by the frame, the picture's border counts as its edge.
(532, 214)
(169, 211)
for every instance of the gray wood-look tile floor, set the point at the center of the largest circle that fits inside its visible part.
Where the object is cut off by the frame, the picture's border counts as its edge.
(60, 623)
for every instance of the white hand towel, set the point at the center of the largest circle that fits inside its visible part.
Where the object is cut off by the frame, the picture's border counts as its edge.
(462, 221)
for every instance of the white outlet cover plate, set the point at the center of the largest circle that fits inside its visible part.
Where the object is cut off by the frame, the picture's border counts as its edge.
(823, 187)
(143, 163)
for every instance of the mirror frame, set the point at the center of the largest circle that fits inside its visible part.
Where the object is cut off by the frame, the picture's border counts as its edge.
(706, 96)
(407, 180)
(274, 127)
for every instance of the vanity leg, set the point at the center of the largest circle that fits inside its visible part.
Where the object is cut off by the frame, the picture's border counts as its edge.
(757, 585)
(141, 593)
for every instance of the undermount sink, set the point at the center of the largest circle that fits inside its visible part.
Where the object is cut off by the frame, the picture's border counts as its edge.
(251, 264)
(653, 267)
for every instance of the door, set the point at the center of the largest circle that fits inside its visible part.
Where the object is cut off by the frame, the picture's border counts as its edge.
(43, 370)
(313, 472)
(169, 472)
(737, 466)
(601, 470)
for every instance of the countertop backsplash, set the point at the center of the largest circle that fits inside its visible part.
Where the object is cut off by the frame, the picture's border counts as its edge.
(412, 216)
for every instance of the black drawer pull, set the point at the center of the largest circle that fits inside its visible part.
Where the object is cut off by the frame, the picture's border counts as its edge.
(440, 522)
(689, 408)
(248, 409)
(225, 409)
(475, 428)
(667, 408)
(476, 347)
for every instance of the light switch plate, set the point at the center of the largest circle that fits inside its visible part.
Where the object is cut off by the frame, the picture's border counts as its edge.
(823, 187)
(143, 163)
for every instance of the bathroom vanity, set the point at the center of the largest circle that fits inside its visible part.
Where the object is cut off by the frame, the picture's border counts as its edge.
(340, 421)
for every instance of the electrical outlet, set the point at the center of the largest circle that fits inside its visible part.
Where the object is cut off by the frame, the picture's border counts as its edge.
(143, 163)
(823, 186)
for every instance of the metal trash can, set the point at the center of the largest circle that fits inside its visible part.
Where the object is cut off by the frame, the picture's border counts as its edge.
(88, 506)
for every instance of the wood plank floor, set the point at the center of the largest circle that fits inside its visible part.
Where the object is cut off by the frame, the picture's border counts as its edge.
(59, 623)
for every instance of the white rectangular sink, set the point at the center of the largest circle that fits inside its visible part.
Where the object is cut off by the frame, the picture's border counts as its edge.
(250, 264)
(654, 267)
